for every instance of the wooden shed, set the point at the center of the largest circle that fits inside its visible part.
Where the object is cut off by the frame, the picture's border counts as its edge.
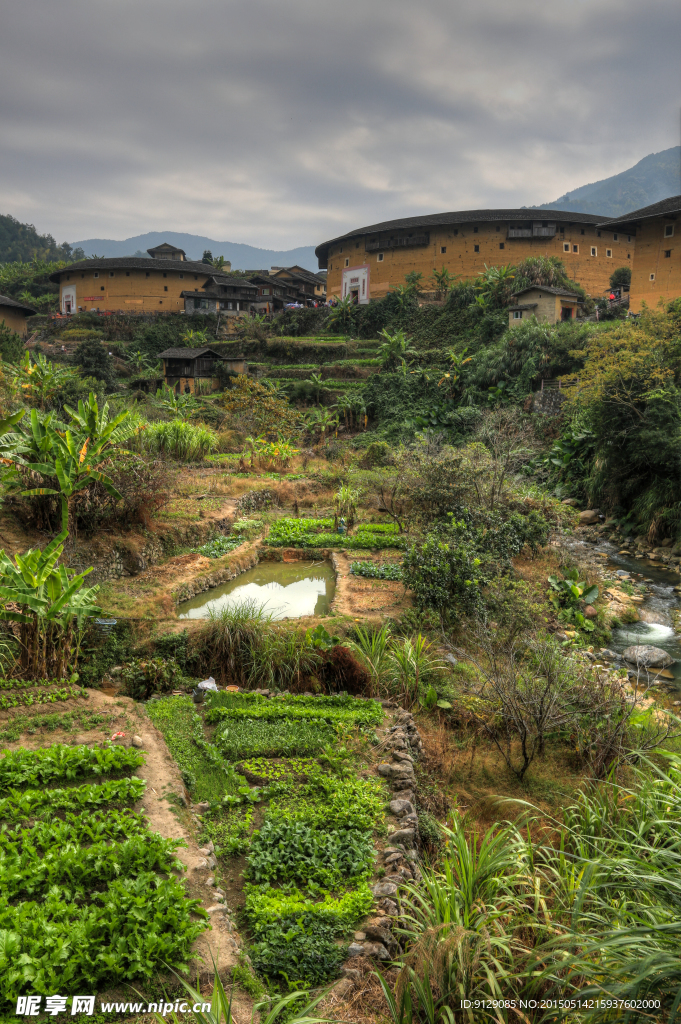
(183, 368)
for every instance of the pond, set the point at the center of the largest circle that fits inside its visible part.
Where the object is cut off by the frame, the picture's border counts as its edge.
(285, 590)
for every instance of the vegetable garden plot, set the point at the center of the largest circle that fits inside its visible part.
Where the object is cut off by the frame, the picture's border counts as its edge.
(315, 533)
(83, 904)
(309, 860)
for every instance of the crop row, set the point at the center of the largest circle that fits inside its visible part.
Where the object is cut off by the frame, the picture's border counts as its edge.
(272, 738)
(30, 767)
(314, 845)
(274, 712)
(54, 945)
(32, 872)
(24, 684)
(34, 802)
(26, 700)
(313, 533)
(377, 570)
(74, 829)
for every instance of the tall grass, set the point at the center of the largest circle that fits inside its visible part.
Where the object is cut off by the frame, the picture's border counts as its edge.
(225, 643)
(590, 911)
(241, 645)
(178, 439)
(398, 666)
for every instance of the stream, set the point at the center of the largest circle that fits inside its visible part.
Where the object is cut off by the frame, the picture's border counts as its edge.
(656, 584)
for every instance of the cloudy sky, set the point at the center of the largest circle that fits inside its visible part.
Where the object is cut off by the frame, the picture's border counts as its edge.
(286, 122)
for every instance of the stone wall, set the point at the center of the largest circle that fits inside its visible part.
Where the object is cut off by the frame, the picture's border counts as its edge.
(548, 402)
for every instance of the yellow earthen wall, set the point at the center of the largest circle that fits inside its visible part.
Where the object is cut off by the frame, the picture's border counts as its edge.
(592, 272)
(132, 290)
(15, 320)
(650, 259)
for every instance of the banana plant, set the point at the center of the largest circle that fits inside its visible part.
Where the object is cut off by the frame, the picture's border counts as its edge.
(321, 420)
(180, 406)
(52, 605)
(395, 350)
(76, 457)
(38, 381)
(315, 381)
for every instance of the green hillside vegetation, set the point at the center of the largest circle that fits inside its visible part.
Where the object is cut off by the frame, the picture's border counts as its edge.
(403, 446)
(21, 243)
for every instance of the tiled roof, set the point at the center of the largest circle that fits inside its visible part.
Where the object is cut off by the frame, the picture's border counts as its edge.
(547, 288)
(133, 263)
(665, 206)
(434, 220)
(187, 353)
(6, 301)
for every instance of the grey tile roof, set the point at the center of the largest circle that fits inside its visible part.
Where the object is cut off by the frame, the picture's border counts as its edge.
(133, 263)
(434, 220)
(187, 353)
(5, 300)
(547, 288)
(665, 206)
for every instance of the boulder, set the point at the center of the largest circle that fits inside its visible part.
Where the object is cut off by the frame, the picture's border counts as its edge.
(382, 889)
(376, 950)
(404, 836)
(570, 501)
(401, 807)
(647, 656)
(137, 741)
(588, 518)
(590, 612)
(356, 949)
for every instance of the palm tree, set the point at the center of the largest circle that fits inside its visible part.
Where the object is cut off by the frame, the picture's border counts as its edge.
(395, 350)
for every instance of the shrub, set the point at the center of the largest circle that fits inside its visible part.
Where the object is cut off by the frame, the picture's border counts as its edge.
(143, 676)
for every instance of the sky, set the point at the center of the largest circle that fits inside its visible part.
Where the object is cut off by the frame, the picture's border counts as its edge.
(287, 122)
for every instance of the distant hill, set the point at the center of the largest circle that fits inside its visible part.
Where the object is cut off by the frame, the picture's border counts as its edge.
(655, 177)
(22, 242)
(242, 257)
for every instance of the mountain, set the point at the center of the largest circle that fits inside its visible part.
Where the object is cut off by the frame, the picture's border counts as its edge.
(655, 177)
(22, 242)
(242, 257)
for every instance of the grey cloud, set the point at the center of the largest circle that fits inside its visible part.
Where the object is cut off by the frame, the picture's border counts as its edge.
(283, 124)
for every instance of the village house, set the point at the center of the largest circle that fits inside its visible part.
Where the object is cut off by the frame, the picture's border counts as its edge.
(656, 273)
(15, 315)
(547, 304)
(230, 294)
(272, 294)
(368, 262)
(310, 287)
(130, 283)
(193, 370)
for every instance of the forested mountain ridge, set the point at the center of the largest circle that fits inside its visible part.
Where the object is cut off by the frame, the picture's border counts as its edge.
(655, 177)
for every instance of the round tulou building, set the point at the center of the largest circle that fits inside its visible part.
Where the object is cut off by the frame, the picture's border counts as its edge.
(366, 263)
